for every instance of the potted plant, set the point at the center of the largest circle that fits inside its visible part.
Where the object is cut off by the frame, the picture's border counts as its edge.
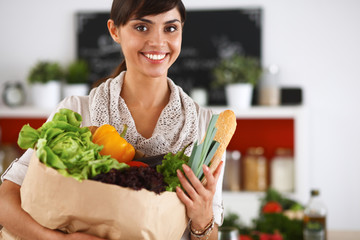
(76, 79)
(45, 80)
(238, 74)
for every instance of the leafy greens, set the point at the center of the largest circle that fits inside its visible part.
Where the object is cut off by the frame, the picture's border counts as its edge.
(201, 154)
(170, 164)
(62, 144)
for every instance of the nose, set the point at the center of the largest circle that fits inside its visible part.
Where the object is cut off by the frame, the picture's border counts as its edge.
(157, 38)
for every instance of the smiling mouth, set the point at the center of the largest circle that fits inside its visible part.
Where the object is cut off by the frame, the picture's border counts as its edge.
(155, 57)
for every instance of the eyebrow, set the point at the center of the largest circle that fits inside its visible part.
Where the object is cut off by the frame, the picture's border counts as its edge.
(151, 22)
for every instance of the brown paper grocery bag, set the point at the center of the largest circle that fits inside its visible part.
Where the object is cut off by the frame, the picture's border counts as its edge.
(5, 235)
(104, 210)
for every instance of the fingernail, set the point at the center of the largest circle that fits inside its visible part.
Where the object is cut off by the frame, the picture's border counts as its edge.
(185, 167)
(206, 168)
(179, 173)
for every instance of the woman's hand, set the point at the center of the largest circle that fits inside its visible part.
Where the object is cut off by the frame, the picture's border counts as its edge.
(199, 198)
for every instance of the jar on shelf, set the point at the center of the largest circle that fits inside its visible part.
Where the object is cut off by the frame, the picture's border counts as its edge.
(282, 170)
(255, 170)
(232, 171)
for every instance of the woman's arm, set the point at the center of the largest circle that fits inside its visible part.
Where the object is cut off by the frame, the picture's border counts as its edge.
(20, 223)
(199, 198)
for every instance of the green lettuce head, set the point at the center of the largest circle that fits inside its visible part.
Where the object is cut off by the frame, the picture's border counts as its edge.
(64, 145)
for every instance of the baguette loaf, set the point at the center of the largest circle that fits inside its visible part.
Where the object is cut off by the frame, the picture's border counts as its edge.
(226, 126)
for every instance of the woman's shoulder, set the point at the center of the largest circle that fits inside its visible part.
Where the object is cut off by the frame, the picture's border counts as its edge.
(79, 104)
(75, 102)
(204, 117)
(204, 113)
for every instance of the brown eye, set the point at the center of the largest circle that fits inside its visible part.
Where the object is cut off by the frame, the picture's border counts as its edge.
(141, 28)
(171, 29)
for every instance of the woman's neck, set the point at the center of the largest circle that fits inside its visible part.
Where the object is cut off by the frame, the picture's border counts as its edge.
(145, 92)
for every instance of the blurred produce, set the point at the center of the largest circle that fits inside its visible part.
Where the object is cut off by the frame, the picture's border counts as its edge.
(280, 218)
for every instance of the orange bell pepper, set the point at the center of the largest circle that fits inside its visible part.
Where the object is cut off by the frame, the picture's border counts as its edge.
(114, 143)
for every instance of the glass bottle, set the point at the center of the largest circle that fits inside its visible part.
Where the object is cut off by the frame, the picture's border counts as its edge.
(255, 170)
(315, 218)
(228, 233)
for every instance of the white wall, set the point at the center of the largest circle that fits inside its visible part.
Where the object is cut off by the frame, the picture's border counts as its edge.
(315, 42)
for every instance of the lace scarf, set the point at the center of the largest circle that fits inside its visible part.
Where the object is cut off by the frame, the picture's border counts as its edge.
(176, 127)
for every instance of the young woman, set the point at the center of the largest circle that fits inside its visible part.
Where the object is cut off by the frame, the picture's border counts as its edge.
(161, 118)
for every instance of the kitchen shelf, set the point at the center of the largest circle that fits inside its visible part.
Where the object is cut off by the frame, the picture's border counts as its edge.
(24, 112)
(263, 112)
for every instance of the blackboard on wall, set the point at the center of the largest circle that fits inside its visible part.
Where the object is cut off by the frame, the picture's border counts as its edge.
(208, 37)
(95, 45)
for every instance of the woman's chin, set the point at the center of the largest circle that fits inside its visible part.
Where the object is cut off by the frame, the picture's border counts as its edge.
(157, 74)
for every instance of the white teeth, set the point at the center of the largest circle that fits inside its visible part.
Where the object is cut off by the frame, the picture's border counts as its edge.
(155, 56)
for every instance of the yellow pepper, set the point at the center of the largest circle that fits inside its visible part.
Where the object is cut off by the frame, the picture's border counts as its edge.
(114, 143)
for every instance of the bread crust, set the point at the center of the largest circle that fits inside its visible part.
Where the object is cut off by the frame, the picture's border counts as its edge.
(226, 126)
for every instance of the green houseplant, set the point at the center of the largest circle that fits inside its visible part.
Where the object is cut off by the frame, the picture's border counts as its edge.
(45, 80)
(238, 74)
(237, 69)
(76, 79)
(77, 72)
(44, 72)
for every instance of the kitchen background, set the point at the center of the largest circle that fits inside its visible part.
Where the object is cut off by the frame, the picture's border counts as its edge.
(314, 42)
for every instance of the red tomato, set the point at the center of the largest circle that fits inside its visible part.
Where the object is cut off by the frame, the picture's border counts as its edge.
(272, 207)
(276, 236)
(136, 164)
(264, 236)
(245, 237)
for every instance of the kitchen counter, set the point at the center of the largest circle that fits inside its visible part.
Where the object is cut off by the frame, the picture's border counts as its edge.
(343, 235)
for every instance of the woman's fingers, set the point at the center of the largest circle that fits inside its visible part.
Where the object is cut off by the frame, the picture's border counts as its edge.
(211, 179)
(183, 197)
(196, 197)
(217, 171)
(195, 182)
(186, 185)
(193, 187)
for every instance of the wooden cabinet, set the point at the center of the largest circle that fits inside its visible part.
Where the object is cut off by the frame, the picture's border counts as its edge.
(12, 120)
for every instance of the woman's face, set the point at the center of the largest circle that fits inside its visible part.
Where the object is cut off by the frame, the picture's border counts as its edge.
(152, 43)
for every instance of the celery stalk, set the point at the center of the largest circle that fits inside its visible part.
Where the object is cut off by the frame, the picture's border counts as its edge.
(202, 153)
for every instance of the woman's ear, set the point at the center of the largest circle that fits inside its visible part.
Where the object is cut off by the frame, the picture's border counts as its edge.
(113, 30)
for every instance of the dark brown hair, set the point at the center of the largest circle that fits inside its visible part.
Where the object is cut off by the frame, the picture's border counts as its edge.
(122, 10)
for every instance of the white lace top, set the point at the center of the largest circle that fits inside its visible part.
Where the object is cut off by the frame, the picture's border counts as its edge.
(179, 116)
